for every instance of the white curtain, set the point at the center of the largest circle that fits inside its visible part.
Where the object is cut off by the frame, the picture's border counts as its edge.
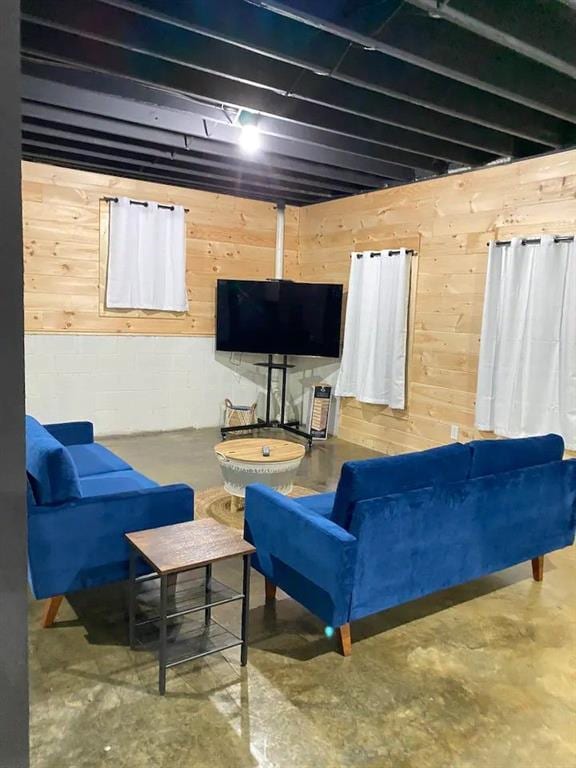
(373, 364)
(147, 257)
(527, 369)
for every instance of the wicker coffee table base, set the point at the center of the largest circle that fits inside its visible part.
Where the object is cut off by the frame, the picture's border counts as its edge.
(270, 462)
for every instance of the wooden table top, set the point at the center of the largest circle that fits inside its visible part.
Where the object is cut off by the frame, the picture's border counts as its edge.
(250, 450)
(184, 546)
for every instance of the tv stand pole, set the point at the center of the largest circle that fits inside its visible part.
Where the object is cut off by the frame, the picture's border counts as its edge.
(288, 426)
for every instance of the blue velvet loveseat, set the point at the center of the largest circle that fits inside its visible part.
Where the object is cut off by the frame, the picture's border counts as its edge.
(82, 499)
(400, 527)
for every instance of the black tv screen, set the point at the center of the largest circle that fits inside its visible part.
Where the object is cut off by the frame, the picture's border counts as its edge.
(278, 317)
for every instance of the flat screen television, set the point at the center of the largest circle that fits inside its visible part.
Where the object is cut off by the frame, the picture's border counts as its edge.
(278, 317)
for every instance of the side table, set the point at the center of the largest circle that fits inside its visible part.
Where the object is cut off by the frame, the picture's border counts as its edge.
(177, 549)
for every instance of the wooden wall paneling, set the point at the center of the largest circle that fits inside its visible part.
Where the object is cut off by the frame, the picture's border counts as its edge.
(66, 245)
(454, 217)
(450, 219)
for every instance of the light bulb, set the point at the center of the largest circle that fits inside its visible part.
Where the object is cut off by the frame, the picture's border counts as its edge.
(249, 139)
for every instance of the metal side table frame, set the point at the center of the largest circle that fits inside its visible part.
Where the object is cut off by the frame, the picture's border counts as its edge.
(167, 583)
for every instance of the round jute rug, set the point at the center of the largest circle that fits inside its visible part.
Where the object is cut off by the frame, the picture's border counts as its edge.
(218, 504)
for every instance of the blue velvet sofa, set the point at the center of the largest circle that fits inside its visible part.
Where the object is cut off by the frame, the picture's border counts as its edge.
(82, 499)
(400, 527)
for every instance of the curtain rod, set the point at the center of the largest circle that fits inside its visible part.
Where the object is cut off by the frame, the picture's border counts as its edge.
(536, 240)
(390, 253)
(142, 202)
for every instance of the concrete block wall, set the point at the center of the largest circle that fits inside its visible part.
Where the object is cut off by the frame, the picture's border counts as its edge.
(138, 383)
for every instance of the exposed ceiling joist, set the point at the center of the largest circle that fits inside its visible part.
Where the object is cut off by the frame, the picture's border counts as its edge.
(455, 57)
(540, 31)
(112, 53)
(349, 96)
(216, 167)
(223, 137)
(255, 30)
(147, 173)
(286, 40)
(132, 159)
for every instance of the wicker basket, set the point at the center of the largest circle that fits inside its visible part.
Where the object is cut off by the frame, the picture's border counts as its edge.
(239, 415)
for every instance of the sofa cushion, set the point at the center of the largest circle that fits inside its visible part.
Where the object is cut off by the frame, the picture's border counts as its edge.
(111, 483)
(95, 459)
(321, 503)
(51, 471)
(490, 457)
(371, 478)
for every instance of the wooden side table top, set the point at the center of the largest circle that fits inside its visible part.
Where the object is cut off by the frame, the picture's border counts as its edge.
(250, 450)
(185, 546)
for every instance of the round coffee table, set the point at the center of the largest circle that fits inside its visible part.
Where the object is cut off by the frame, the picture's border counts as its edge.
(242, 462)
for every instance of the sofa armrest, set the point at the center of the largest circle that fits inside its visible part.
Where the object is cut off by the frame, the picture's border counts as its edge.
(72, 432)
(308, 544)
(73, 544)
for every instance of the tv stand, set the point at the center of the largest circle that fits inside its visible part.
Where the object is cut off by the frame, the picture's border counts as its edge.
(268, 423)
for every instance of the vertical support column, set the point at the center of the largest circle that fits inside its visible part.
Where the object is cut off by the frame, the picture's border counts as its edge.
(278, 275)
(162, 649)
(269, 388)
(279, 255)
(13, 582)
(283, 397)
(245, 610)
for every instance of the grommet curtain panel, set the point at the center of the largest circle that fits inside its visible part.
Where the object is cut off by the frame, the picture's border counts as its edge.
(527, 367)
(373, 368)
(146, 257)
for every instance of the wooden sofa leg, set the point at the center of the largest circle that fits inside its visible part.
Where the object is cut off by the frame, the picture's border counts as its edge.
(345, 639)
(538, 568)
(270, 590)
(50, 610)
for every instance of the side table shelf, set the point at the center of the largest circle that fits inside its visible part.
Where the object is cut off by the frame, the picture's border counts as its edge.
(181, 585)
(190, 594)
(193, 640)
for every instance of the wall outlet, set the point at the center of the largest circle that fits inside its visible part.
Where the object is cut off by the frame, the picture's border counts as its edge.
(454, 431)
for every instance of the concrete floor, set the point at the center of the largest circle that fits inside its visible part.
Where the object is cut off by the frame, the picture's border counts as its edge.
(480, 676)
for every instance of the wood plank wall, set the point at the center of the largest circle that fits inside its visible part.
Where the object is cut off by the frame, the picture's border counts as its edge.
(63, 214)
(453, 217)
